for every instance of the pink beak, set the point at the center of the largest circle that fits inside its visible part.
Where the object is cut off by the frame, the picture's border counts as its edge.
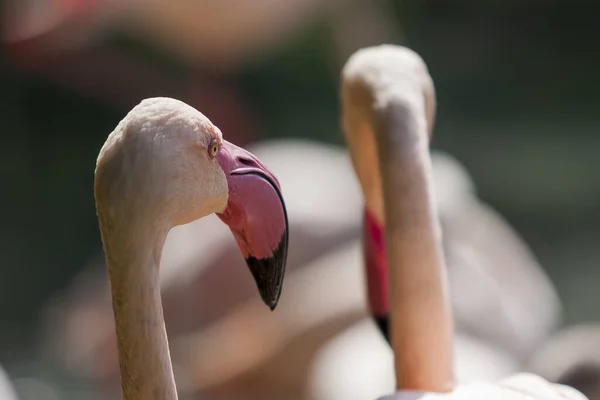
(378, 290)
(257, 217)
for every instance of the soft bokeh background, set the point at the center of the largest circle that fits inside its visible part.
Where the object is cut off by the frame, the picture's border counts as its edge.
(517, 85)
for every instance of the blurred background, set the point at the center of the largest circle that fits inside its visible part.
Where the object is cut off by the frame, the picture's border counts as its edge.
(516, 85)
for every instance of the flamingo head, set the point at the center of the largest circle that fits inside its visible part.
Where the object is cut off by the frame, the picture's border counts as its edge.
(166, 164)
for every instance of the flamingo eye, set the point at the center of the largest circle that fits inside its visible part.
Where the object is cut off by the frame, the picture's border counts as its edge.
(213, 148)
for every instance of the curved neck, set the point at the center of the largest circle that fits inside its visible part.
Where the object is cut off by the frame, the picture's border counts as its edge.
(421, 319)
(144, 359)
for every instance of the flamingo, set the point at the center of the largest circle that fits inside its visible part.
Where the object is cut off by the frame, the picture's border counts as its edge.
(164, 165)
(456, 210)
(388, 109)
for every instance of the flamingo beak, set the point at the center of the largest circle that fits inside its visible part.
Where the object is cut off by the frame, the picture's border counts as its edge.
(257, 217)
(378, 290)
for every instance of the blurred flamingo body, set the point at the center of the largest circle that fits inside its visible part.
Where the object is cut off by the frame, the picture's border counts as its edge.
(572, 357)
(324, 248)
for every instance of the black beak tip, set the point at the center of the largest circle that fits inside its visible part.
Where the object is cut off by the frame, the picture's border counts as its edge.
(383, 325)
(269, 272)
